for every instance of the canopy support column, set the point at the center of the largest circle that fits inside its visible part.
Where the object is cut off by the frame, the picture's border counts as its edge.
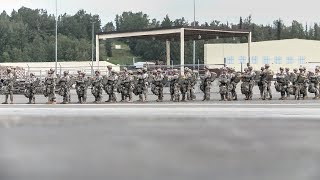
(97, 48)
(168, 52)
(249, 48)
(182, 51)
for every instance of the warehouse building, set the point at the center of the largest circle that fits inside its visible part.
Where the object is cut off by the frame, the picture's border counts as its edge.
(291, 53)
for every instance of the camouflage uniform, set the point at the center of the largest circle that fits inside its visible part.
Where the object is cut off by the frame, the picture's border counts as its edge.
(314, 84)
(50, 85)
(97, 87)
(301, 84)
(64, 87)
(205, 85)
(8, 82)
(30, 88)
(184, 83)
(234, 80)
(146, 85)
(224, 80)
(175, 86)
(288, 81)
(111, 80)
(251, 85)
(128, 86)
(245, 86)
(292, 87)
(191, 78)
(281, 84)
(81, 88)
(140, 86)
(266, 78)
(158, 85)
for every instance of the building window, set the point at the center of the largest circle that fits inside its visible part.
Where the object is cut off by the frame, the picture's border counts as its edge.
(278, 60)
(290, 60)
(266, 60)
(302, 60)
(230, 60)
(242, 60)
(254, 60)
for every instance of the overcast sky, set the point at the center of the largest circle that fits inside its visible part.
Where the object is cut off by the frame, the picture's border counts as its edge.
(263, 11)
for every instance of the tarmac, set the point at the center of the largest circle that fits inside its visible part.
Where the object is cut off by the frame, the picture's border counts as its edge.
(243, 140)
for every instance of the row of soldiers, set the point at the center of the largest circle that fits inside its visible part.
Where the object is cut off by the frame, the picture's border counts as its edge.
(297, 83)
(182, 87)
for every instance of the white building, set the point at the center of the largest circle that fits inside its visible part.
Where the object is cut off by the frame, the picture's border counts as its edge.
(291, 53)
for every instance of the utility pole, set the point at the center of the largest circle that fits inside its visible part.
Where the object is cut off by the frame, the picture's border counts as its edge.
(56, 63)
(92, 50)
(194, 42)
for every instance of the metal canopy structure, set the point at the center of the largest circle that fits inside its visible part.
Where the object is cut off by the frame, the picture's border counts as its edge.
(181, 34)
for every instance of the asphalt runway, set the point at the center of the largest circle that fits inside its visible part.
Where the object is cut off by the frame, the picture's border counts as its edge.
(160, 141)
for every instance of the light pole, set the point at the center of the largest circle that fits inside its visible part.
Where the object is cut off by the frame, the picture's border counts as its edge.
(92, 53)
(56, 53)
(194, 42)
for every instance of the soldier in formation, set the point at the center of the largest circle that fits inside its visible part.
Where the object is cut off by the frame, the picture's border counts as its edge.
(81, 87)
(245, 86)
(287, 83)
(224, 80)
(8, 82)
(64, 84)
(206, 81)
(174, 78)
(30, 88)
(97, 87)
(281, 83)
(110, 83)
(192, 81)
(50, 84)
(140, 86)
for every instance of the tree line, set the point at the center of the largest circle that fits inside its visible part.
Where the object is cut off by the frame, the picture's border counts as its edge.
(28, 35)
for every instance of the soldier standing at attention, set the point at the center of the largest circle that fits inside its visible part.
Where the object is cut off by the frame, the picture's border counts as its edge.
(235, 79)
(158, 82)
(64, 90)
(224, 81)
(97, 87)
(191, 78)
(184, 84)
(8, 82)
(301, 84)
(31, 88)
(81, 87)
(139, 87)
(268, 74)
(50, 85)
(288, 80)
(146, 83)
(251, 85)
(245, 86)
(314, 83)
(112, 80)
(317, 74)
(206, 84)
(174, 85)
(281, 84)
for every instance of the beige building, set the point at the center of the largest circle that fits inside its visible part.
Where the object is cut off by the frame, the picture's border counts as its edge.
(291, 53)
